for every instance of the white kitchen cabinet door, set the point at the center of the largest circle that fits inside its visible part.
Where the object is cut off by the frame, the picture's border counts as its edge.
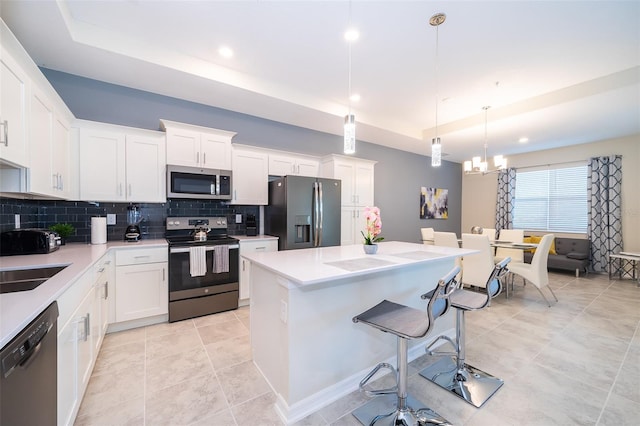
(215, 151)
(60, 160)
(308, 167)
(251, 246)
(283, 165)
(68, 399)
(102, 165)
(250, 177)
(14, 95)
(363, 186)
(75, 360)
(141, 291)
(41, 177)
(145, 169)
(357, 178)
(197, 146)
(103, 269)
(183, 147)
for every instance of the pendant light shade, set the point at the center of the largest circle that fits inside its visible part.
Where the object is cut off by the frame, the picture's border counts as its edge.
(436, 152)
(349, 134)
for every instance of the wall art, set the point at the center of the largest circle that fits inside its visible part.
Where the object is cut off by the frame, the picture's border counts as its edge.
(434, 203)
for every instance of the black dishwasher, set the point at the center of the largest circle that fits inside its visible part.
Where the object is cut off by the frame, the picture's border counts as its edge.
(28, 373)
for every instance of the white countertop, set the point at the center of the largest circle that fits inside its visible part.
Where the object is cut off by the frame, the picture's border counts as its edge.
(18, 309)
(316, 265)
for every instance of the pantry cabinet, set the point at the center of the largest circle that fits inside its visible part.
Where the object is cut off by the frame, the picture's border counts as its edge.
(142, 288)
(196, 146)
(357, 176)
(121, 164)
(250, 176)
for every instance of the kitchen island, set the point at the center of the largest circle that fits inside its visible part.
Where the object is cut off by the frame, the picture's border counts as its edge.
(303, 339)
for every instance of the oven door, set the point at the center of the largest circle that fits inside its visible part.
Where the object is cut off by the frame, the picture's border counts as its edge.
(183, 286)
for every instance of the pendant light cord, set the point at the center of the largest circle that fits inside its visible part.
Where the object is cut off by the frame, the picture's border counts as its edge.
(437, 80)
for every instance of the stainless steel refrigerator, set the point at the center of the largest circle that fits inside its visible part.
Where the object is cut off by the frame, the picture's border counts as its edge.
(304, 212)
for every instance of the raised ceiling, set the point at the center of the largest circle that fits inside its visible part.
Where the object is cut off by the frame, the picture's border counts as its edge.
(557, 72)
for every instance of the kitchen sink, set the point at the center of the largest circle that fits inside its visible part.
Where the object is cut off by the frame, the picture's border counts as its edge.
(26, 279)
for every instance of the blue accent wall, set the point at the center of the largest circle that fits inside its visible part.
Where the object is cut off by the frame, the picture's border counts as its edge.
(398, 174)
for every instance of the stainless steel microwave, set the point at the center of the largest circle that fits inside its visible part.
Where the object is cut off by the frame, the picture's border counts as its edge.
(196, 182)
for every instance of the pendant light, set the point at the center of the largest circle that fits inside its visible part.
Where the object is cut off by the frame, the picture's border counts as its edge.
(480, 165)
(436, 146)
(350, 120)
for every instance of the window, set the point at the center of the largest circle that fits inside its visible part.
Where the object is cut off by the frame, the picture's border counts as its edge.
(551, 199)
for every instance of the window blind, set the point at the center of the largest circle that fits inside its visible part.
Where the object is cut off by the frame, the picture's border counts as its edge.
(552, 199)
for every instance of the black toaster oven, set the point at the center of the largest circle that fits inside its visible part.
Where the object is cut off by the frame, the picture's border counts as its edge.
(27, 241)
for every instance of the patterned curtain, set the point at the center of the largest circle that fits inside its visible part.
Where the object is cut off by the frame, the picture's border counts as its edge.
(604, 201)
(506, 194)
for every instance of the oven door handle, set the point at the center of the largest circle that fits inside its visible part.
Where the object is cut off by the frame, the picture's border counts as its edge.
(207, 248)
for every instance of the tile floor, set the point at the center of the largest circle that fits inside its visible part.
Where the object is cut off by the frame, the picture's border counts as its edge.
(576, 363)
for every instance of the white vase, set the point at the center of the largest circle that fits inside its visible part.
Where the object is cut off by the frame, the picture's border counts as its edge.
(370, 248)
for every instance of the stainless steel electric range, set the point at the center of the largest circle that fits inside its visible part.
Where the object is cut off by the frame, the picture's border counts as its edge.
(212, 285)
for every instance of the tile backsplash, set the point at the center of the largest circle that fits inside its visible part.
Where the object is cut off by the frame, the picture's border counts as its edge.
(44, 213)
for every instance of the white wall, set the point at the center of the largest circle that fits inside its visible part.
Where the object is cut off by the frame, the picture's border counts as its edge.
(479, 192)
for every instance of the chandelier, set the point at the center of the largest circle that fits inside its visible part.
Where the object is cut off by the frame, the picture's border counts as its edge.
(436, 146)
(479, 165)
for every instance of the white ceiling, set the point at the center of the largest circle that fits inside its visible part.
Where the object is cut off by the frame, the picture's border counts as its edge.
(557, 72)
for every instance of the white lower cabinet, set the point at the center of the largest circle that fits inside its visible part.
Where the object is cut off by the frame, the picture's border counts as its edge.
(352, 223)
(141, 283)
(251, 246)
(76, 352)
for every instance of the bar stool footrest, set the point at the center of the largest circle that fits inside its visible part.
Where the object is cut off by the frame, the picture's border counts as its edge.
(471, 384)
(383, 411)
(376, 392)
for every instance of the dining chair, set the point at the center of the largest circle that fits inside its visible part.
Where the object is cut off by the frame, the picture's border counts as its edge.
(489, 232)
(476, 267)
(427, 235)
(536, 272)
(449, 239)
(513, 236)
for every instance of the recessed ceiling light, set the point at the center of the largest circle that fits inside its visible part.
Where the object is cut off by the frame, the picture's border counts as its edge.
(355, 97)
(523, 140)
(225, 52)
(351, 35)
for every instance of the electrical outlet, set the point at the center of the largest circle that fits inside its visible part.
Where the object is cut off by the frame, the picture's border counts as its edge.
(111, 219)
(283, 311)
(238, 218)
(17, 221)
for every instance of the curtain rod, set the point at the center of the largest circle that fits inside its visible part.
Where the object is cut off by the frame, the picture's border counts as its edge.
(553, 164)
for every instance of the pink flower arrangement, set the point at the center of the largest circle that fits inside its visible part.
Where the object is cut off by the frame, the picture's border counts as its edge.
(374, 226)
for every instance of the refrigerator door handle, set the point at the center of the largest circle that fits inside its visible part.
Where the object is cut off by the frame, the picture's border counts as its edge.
(320, 222)
(316, 206)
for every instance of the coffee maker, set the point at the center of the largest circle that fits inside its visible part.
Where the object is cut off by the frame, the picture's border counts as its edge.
(134, 217)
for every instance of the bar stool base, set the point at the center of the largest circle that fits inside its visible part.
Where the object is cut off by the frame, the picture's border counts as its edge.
(383, 411)
(473, 385)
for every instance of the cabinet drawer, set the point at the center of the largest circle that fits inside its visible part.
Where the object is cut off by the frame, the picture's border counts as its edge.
(140, 256)
(258, 246)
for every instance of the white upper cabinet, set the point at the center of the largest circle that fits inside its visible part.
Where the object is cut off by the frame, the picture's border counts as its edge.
(34, 127)
(286, 164)
(121, 164)
(14, 86)
(196, 146)
(250, 177)
(357, 178)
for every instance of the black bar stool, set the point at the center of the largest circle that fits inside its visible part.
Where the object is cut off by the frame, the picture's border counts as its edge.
(469, 383)
(393, 406)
